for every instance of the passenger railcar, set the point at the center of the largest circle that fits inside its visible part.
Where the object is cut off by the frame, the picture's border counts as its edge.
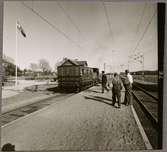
(76, 75)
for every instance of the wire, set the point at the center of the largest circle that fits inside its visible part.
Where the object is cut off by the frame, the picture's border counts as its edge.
(52, 25)
(69, 17)
(141, 18)
(145, 31)
(107, 17)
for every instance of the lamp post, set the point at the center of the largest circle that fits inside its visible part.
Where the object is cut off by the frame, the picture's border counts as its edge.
(142, 62)
(104, 67)
(109, 68)
(122, 66)
(129, 59)
(128, 64)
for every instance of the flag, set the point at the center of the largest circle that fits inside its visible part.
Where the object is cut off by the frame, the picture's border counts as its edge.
(19, 27)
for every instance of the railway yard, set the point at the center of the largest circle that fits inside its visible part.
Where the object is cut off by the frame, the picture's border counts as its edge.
(146, 106)
(85, 120)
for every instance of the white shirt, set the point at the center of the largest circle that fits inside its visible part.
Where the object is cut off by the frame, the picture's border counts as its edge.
(130, 78)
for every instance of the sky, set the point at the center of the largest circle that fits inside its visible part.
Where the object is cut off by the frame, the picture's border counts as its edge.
(102, 33)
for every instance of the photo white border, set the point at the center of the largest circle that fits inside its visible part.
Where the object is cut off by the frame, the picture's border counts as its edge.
(165, 63)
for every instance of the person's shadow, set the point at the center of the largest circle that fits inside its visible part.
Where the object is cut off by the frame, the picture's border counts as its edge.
(89, 90)
(100, 99)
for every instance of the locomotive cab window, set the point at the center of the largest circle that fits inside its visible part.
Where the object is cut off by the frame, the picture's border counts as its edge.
(82, 71)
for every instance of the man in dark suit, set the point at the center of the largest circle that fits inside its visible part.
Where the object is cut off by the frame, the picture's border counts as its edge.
(104, 82)
(116, 90)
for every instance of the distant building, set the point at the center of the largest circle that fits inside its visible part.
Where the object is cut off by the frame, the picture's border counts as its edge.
(8, 59)
(9, 67)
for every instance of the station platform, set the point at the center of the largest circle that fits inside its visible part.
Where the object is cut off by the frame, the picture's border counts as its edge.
(85, 121)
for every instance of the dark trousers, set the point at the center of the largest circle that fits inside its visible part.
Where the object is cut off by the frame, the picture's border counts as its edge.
(128, 96)
(104, 87)
(116, 96)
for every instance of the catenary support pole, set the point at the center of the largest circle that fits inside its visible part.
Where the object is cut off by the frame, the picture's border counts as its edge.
(16, 55)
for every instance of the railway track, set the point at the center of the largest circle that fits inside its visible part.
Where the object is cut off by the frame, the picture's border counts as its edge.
(148, 101)
(151, 94)
(150, 130)
(14, 114)
(149, 104)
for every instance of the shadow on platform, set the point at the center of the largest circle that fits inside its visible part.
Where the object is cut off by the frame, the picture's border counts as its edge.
(58, 90)
(99, 99)
(103, 98)
(92, 91)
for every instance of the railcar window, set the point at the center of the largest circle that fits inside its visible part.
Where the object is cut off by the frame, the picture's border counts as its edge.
(64, 71)
(80, 71)
(68, 70)
(60, 71)
(77, 71)
(72, 71)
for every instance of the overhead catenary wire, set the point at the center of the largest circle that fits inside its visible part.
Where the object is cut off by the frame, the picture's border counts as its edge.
(145, 31)
(72, 22)
(107, 17)
(52, 25)
(69, 18)
(32, 4)
(141, 18)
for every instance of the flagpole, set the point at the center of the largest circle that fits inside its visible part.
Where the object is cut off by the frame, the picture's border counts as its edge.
(16, 55)
(18, 27)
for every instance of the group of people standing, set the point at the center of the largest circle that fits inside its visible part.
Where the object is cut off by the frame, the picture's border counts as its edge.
(117, 85)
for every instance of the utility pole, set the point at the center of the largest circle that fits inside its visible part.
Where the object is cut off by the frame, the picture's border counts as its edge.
(122, 65)
(142, 56)
(104, 67)
(16, 55)
(140, 59)
(128, 64)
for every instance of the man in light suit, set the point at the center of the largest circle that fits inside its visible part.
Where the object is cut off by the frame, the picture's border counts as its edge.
(128, 81)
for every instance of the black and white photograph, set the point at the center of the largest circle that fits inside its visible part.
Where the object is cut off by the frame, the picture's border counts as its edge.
(82, 75)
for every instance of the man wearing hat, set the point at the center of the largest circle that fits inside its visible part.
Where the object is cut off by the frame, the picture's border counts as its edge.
(116, 89)
(104, 82)
(128, 88)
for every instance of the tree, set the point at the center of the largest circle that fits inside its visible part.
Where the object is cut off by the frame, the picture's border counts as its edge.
(9, 69)
(58, 63)
(44, 66)
(33, 67)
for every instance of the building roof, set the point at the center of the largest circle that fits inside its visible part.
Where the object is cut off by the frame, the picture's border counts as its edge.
(8, 59)
(73, 62)
(82, 63)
